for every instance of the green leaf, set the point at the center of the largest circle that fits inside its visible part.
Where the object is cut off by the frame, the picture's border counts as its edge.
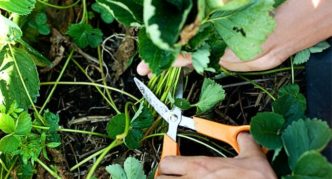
(116, 171)
(31, 148)
(21, 7)
(289, 107)
(53, 144)
(40, 23)
(104, 11)
(320, 47)
(156, 58)
(311, 165)
(11, 87)
(38, 58)
(304, 55)
(52, 120)
(7, 123)
(220, 5)
(127, 12)
(134, 168)
(116, 125)
(293, 90)
(246, 30)
(278, 3)
(9, 31)
(211, 94)
(301, 57)
(143, 118)
(162, 26)
(85, 35)
(200, 59)
(9, 143)
(304, 135)
(133, 138)
(182, 103)
(23, 124)
(204, 33)
(266, 128)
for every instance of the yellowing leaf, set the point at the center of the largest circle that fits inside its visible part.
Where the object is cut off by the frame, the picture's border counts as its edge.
(9, 31)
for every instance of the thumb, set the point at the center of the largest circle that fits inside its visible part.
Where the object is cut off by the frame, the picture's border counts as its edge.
(248, 146)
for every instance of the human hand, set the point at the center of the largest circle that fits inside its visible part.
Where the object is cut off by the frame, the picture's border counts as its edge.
(250, 163)
(300, 24)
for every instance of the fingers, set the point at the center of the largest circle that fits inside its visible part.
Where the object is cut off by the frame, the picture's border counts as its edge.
(248, 146)
(143, 69)
(180, 165)
(181, 61)
(266, 61)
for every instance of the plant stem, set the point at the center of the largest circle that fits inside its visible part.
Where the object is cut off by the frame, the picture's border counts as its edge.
(258, 86)
(87, 159)
(11, 168)
(90, 84)
(292, 70)
(269, 71)
(72, 131)
(127, 123)
(24, 85)
(98, 89)
(250, 81)
(202, 143)
(58, 7)
(57, 81)
(115, 143)
(54, 174)
(104, 80)
(85, 14)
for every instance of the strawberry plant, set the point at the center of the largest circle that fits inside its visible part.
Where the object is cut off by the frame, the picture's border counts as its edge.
(68, 104)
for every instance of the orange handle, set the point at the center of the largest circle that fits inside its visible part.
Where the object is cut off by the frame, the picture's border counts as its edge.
(222, 132)
(170, 148)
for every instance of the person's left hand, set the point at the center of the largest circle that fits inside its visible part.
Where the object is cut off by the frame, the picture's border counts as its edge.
(250, 163)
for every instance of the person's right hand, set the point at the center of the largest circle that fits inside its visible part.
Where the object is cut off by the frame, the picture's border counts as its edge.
(300, 25)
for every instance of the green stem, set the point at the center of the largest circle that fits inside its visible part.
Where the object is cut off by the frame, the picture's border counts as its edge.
(57, 81)
(24, 85)
(54, 174)
(90, 84)
(127, 123)
(104, 80)
(250, 81)
(87, 159)
(202, 143)
(98, 89)
(72, 131)
(11, 168)
(115, 143)
(292, 70)
(58, 7)
(85, 14)
(3, 166)
(270, 71)
(258, 86)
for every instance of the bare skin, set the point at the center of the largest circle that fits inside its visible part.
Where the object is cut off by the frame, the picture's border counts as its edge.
(300, 25)
(250, 163)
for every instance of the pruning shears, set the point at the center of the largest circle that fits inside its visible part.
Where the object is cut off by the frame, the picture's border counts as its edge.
(174, 118)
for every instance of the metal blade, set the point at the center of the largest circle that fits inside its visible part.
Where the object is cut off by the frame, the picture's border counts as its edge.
(159, 106)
